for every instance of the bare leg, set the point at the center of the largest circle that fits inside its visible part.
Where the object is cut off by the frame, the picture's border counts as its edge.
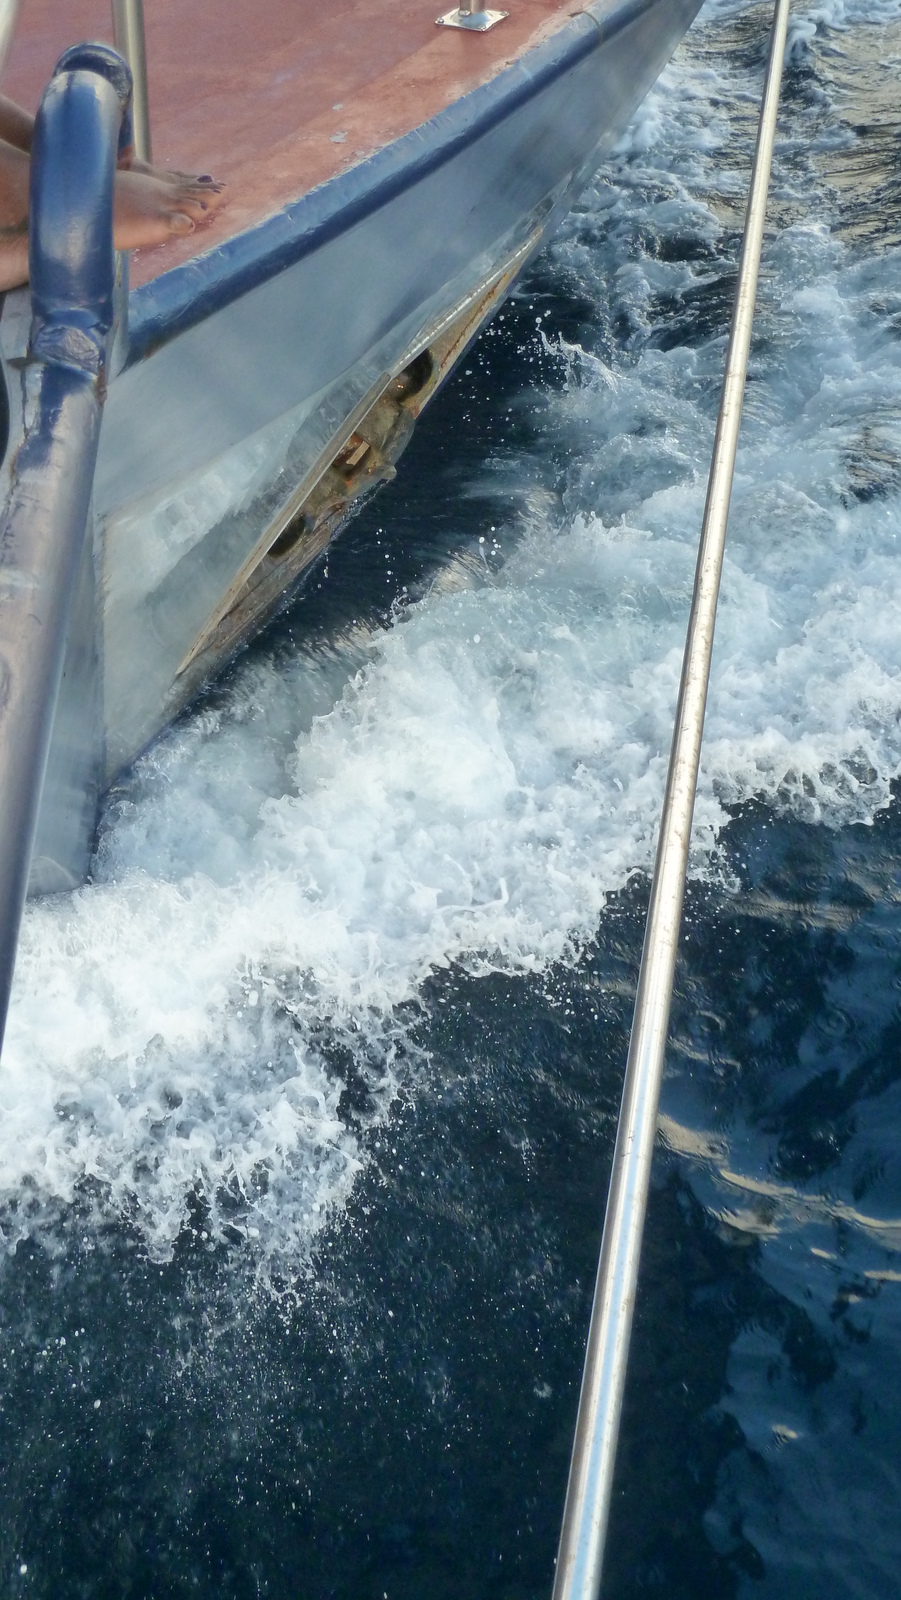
(16, 125)
(147, 211)
(14, 169)
(17, 129)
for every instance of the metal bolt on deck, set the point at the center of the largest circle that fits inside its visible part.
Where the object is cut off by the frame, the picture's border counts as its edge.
(471, 16)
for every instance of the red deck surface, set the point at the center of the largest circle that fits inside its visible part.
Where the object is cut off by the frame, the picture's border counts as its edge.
(275, 96)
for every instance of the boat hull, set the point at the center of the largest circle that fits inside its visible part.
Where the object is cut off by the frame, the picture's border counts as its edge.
(266, 385)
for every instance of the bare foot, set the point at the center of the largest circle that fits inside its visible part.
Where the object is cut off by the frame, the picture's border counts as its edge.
(150, 206)
(204, 188)
(148, 209)
(17, 129)
(166, 174)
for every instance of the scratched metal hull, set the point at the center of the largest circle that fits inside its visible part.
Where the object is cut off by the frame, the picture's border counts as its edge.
(265, 386)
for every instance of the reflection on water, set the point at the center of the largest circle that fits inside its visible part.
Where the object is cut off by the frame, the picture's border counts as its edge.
(802, 1081)
(310, 1097)
(859, 72)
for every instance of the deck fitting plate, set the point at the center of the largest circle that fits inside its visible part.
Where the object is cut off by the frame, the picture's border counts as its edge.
(474, 21)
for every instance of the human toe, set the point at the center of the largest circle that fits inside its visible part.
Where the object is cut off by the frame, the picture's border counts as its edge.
(200, 197)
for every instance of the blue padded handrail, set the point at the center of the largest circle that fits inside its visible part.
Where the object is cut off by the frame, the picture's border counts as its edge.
(83, 118)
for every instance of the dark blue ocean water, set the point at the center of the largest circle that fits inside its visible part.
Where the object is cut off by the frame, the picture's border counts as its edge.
(309, 1097)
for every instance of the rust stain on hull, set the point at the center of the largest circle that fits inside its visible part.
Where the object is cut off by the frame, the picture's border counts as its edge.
(370, 445)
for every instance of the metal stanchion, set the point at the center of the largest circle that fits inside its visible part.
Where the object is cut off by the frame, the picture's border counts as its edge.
(471, 15)
(581, 1552)
(128, 36)
(9, 11)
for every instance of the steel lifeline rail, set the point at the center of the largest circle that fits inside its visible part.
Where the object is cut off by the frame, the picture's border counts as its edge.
(84, 117)
(580, 1557)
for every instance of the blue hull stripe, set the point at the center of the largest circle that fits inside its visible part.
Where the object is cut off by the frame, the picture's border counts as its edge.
(187, 294)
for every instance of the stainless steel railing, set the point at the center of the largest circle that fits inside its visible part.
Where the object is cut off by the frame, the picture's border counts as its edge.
(9, 11)
(580, 1557)
(128, 37)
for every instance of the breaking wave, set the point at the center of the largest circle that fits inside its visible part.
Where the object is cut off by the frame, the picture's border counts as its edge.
(283, 871)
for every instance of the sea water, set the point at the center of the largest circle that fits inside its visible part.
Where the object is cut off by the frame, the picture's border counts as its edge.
(308, 1098)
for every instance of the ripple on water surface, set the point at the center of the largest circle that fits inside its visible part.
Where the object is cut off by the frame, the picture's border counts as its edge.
(308, 1097)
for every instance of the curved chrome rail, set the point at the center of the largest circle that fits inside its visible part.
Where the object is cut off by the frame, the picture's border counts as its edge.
(84, 114)
(580, 1557)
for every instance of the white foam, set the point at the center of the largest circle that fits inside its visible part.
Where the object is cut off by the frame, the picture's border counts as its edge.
(495, 768)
